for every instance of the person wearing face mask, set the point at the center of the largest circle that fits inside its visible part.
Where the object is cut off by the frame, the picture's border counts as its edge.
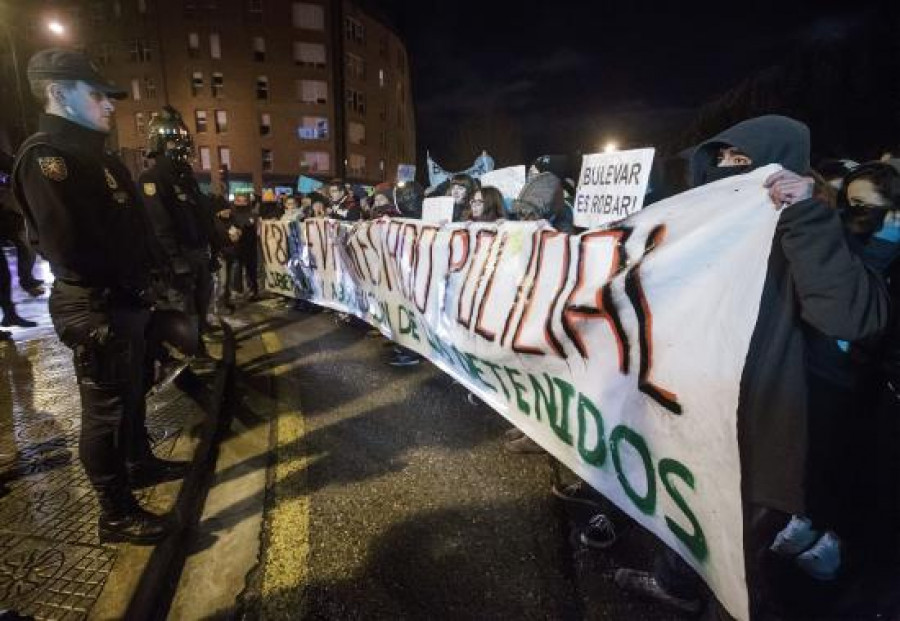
(342, 205)
(813, 280)
(852, 501)
(85, 217)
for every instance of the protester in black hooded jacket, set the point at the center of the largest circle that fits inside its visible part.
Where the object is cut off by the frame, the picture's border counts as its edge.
(813, 279)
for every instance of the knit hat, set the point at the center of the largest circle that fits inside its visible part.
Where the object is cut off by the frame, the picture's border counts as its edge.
(540, 199)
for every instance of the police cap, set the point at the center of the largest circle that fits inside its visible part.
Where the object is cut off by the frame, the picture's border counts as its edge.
(63, 64)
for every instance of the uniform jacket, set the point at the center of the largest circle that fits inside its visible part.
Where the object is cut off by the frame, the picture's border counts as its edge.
(82, 209)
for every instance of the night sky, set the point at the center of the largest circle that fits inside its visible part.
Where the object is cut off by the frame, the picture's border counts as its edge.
(568, 76)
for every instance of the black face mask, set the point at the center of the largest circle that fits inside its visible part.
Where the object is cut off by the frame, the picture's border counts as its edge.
(717, 173)
(862, 221)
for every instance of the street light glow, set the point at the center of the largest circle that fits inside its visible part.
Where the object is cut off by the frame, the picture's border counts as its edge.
(56, 28)
(610, 146)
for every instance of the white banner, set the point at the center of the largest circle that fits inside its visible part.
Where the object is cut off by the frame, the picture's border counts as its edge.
(620, 351)
(611, 186)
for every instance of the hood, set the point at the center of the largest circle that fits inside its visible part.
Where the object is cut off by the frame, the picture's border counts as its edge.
(770, 139)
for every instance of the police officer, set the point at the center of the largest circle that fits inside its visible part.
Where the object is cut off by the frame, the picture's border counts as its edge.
(85, 217)
(180, 217)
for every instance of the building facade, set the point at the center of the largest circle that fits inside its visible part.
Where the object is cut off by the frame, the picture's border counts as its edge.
(270, 88)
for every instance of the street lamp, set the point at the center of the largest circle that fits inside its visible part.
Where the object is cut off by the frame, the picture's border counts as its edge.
(610, 147)
(56, 28)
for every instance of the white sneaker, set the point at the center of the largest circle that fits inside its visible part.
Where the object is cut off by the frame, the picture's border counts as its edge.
(823, 560)
(796, 537)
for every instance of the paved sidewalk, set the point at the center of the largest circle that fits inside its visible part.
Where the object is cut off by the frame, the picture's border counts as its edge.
(52, 565)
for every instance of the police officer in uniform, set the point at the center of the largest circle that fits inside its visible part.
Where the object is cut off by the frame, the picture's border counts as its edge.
(181, 219)
(85, 217)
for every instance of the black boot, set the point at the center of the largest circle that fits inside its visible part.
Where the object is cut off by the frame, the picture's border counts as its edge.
(152, 470)
(122, 519)
(12, 318)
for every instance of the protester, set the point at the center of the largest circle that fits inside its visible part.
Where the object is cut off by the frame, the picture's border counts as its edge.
(408, 197)
(540, 199)
(342, 205)
(486, 206)
(383, 202)
(12, 228)
(813, 280)
(318, 205)
(461, 188)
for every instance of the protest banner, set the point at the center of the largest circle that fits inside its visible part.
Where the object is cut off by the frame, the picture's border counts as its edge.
(509, 180)
(611, 186)
(406, 173)
(437, 175)
(437, 209)
(620, 351)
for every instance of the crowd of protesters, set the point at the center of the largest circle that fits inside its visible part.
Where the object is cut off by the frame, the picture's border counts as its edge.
(820, 421)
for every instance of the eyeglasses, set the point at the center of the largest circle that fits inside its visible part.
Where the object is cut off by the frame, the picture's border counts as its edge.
(477, 201)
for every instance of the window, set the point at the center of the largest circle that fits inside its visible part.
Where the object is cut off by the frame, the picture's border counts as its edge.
(262, 88)
(309, 54)
(196, 83)
(383, 46)
(356, 101)
(313, 128)
(356, 66)
(225, 157)
(354, 30)
(150, 88)
(383, 112)
(142, 6)
(267, 160)
(117, 8)
(259, 49)
(193, 45)
(205, 163)
(221, 121)
(313, 91)
(357, 165)
(356, 132)
(316, 161)
(254, 11)
(218, 84)
(309, 16)
(382, 140)
(265, 124)
(215, 46)
(136, 89)
(140, 51)
(200, 121)
(140, 124)
(381, 78)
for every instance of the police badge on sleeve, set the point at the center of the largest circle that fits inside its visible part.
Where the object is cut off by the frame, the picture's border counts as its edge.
(54, 168)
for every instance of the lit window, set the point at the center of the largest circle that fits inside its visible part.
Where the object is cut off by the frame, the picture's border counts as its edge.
(200, 121)
(196, 83)
(225, 157)
(262, 88)
(218, 84)
(381, 78)
(316, 161)
(357, 165)
(356, 132)
(205, 163)
(313, 91)
(136, 89)
(267, 160)
(193, 45)
(265, 124)
(140, 124)
(309, 16)
(259, 49)
(309, 54)
(221, 121)
(313, 128)
(215, 46)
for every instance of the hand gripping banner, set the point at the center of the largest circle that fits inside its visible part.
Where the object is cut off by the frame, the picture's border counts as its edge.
(620, 350)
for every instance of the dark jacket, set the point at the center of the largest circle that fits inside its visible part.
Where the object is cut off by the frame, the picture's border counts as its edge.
(812, 278)
(175, 207)
(82, 210)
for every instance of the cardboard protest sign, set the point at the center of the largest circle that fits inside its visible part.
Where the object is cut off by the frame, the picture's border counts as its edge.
(509, 180)
(620, 351)
(611, 186)
(438, 209)
(305, 184)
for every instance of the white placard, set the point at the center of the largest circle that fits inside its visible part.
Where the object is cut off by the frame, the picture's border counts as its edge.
(611, 186)
(438, 210)
(509, 180)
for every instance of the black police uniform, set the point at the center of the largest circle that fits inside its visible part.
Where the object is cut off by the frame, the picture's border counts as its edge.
(180, 218)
